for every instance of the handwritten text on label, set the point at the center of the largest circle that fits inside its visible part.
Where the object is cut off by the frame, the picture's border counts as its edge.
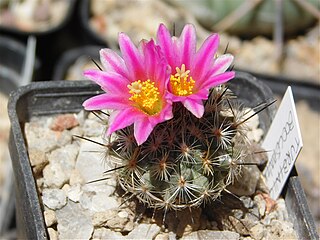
(284, 143)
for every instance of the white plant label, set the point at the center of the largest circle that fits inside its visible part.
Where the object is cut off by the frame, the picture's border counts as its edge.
(283, 143)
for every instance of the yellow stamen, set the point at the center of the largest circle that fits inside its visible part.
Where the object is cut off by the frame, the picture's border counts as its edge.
(181, 83)
(146, 96)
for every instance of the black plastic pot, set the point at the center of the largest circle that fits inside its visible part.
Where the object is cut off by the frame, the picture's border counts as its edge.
(45, 98)
(40, 98)
(84, 12)
(70, 57)
(18, 32)
(302, 90)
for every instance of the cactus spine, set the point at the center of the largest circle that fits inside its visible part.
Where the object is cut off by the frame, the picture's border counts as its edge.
(186, 161)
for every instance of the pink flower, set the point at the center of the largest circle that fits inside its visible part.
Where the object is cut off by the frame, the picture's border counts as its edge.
(193, 72)
(135, 86)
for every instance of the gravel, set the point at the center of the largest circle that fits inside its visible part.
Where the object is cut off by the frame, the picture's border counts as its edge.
(75, 208)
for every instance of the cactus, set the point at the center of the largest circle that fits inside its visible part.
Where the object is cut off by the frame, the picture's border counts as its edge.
(186, 161)
(177, 134)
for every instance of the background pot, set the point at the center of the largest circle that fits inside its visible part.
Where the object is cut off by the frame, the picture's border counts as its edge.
(10, 28)
(7, 204)
(139, 19)
(259, 20)
(14, 72)
(66, 97)
(13, 63)
(72, 57)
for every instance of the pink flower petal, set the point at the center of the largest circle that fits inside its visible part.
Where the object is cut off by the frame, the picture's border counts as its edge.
(187, 45)
(112, 62)
(151, 59)
(131, 57)
(166, 113)
(204, 69)
(142, 130)
(163, 78)
(111, 82)
(121, 119)
(106, 101)
(145, 62)
(144, 124)
(218, 79)
(204, 58)
(156, 67)
(194, 106)
(174, 98)
(168, 46)
(201, 94)
(166, 43)
(221, 64)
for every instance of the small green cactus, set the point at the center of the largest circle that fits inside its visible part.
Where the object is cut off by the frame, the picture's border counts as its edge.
(186, 161)
(176, 133)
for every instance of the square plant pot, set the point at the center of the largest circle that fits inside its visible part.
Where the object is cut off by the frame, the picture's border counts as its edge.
(55, 97)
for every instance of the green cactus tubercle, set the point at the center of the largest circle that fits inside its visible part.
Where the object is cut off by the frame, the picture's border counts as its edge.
(186, 161)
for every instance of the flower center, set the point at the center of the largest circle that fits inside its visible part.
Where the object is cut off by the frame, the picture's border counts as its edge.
(181, 83)
(146, 96)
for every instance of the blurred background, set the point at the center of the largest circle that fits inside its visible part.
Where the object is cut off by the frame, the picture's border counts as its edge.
(278, 41)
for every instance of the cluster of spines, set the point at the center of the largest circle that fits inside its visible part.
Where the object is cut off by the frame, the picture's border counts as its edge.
(186, 161)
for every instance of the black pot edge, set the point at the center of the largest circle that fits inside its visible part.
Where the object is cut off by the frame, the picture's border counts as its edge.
(18, 32)
(305, 227)
(25, 199)
(284, 79)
